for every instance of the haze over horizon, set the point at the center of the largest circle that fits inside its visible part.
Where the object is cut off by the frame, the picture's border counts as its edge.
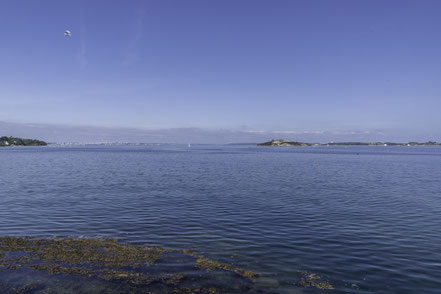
(97, 134)
(221, 71)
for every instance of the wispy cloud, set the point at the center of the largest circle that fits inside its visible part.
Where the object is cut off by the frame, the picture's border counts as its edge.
(82, 55)
(297, 132)
(131, 55)
(285, 132)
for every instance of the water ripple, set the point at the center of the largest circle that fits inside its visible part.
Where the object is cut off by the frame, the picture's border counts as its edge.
(370, 220)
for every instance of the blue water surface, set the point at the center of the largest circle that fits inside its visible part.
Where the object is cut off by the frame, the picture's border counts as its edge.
(367, 218)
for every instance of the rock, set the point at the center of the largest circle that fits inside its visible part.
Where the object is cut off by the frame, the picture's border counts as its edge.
(283, 143)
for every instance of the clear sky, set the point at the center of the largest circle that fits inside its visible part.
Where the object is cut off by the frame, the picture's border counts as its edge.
(271, 67)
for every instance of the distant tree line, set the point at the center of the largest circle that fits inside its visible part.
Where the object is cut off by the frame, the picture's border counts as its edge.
(430, 143)
(13, 141)
(281, 142)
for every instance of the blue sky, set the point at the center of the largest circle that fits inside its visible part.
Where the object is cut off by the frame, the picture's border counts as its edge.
(269, 67)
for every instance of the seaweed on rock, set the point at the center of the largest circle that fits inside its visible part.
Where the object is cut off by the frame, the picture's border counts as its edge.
(130, 265)
(313, 280)
(105, 259)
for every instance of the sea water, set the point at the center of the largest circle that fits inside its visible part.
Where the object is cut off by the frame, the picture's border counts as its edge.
(366, 219)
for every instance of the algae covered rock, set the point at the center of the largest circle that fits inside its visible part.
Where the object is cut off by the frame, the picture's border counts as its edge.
(138, 268)
(79, 265)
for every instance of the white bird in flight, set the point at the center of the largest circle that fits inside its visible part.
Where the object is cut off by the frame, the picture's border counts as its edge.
(67, 33)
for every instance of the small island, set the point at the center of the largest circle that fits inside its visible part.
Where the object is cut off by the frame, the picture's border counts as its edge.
(13, 141)
(283, 143)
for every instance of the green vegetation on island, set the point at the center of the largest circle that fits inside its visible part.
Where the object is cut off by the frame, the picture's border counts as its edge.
(283, 143)
(12, 141)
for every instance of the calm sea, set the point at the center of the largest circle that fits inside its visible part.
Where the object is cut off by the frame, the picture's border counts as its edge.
(365, 219)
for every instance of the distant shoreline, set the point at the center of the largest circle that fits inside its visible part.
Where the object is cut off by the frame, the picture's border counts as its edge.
(19, 142)
(286, 143)
(382, 144)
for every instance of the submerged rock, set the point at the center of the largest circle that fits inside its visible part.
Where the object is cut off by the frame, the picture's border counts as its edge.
(313, 280)
(131, 265)
(267, 282)
(107, 266)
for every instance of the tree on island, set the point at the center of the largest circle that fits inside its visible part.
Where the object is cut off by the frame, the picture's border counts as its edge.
(13, 141)
(283, 143)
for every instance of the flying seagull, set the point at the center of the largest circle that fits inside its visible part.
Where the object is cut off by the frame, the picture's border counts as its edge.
(67, 33)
